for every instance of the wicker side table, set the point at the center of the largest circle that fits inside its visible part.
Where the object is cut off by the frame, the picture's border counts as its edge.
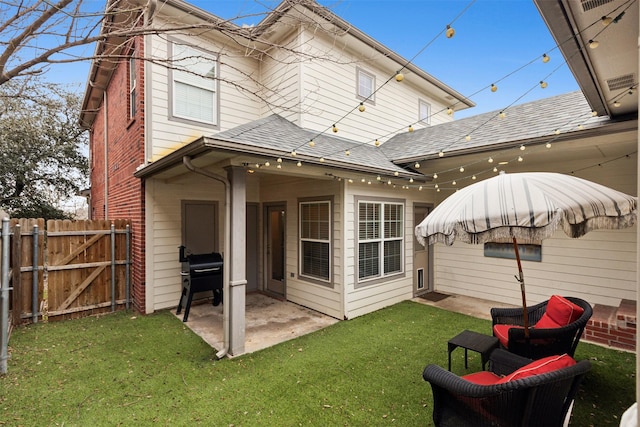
(474, 341)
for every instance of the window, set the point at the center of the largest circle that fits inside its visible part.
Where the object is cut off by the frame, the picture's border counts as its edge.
(380, 239)
(194, 83)
(366, 85)
(424, 112)
(132, 86)
(315, 238)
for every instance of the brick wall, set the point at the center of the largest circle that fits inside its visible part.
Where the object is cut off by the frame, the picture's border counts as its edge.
(613, 326)
(125, 152)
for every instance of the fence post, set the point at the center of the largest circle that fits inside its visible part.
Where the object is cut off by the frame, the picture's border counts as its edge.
(34, 283)
(128, 268)
(16, 276)
(4, 298)
(113, 267)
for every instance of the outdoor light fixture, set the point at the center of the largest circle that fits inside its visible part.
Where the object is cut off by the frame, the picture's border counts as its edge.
(593, 44)
(417, 165)
(312, 144)
(594, 113)
(279, 160)
(267, 164)
(347, 153)
(441, 153)
(616, 103)
(335, 129)
(450, 32)
(461, 168)
(467, 138)
(377, 143)
(435, 176)
(548, 145)
(502, 115)
(606, 20)
(490, 160)
(399, 76)
(493, 87)
(545, 58)
(361, 108)
(293, 153)
(449, 111)
(299, 163)
(543, 84)
(321, 159)
(410, 128)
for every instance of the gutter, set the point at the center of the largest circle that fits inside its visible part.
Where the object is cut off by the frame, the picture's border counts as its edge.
(186, 160)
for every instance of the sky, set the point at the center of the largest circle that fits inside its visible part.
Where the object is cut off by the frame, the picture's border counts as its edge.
(495, 41)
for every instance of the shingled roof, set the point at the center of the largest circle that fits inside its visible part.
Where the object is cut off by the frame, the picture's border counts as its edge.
(523, 122)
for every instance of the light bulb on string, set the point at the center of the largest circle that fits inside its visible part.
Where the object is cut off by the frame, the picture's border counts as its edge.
(410, 179)
(490, 160)
(321, 159)
(334, 129)
(438, 190)
(450, 32)
(279, 160)
(545, 58)
(410, 128)
(502, 115)
(473, 177)
(417, 165)
(363, 180)
(467, 138)
(454, 183)
(361, 107)
(396, 173)
(495, 169)
(389, 182)
(522, 147)
(593, 44)
(312, 144)
(377, 143)
(293, 153)
(347, 153)
(594, 113)
(441, 153)
(436, 186)
(617, 104)
(420, 188)
(494, 88)
(548, 145)
(299, 164)
(543, 84)
(279, 166)
(461, 169)
(399, 76)
(435, 176)
(378, 178)
(369, 182)
(557, 131)
(449, 111)
(520, 158)
(580, 127)
(606, 20)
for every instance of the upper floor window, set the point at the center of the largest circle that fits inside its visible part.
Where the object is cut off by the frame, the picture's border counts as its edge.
(194, 85)
(366, 84)
(380, 239)
(132, 86)
(315, 240)
(424, 112)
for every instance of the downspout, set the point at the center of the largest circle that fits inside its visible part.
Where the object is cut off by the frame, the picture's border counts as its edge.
(186, 160)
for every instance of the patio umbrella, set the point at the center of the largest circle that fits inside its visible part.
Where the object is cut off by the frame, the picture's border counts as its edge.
(527, 206)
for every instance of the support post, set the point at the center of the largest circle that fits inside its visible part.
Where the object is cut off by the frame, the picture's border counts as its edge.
(4, 298)
(34, 282)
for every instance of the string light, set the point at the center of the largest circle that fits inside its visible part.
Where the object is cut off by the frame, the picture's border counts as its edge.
(522, 148)
(543, 84)
(347, 153)
(473, 177)
(312, 144)
(334, 129)
(417, 165)
(548, 145)
(377, 143)
(411, 180)
(495, 169)
(299, 164)
(267, 163)
(361, 108)
(520, 158)
(449, 111)
(545, 58)
(279, 166)
(441, 153)
(378, 178)
(399, 76)
(494, 88)
(606, 20)
(490, 160)
(461, 169)
(594, 113)
(557, 131)
(321, 159)
(450, 32)
(616, 104)
(436, 186)
(435, 176)
(453, 183)
(279, 160)
(502, 115)
(467, 138)
(410, 128)
(593, 44)
(293, 153)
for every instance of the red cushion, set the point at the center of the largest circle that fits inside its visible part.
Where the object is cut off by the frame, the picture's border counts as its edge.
(483, 378)
(502, 333)
(560, 312)
(548, 364)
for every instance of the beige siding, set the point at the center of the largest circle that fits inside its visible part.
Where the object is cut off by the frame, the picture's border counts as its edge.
(599, 267)
(165, 227)
(361, 300)
(236, 105)
(322, 298)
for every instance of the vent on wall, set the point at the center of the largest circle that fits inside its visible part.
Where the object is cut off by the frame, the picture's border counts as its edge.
(622, 82)
(587, 5)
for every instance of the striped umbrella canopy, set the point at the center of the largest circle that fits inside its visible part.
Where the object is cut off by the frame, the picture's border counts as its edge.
(528, 206)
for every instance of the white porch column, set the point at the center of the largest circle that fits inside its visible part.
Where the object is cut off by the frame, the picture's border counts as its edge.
(236, 260)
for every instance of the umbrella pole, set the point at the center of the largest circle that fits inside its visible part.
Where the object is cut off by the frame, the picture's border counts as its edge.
(520, 279)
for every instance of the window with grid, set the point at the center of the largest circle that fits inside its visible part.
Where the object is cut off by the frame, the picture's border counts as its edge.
(194, 83)
(315, 238)
(366, 85)
(380, 239)
(424, 112)
(132, 86)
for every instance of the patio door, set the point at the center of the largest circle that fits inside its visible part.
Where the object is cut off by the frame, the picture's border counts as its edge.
(275, 256)
(422, 257)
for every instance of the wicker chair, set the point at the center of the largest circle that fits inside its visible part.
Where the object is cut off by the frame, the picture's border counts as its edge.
(541, 342)
(539, 400)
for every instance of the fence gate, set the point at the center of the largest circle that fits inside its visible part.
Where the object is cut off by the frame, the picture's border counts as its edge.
(71, 269)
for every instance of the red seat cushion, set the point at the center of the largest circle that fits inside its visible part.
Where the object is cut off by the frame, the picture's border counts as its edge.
(483, 378)
(502, 333)
(541, 366)
(559, 312)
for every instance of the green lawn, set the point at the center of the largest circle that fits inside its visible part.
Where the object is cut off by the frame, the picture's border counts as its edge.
(128, 370)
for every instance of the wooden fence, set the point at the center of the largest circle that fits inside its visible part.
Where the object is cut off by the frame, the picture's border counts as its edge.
(68, 269)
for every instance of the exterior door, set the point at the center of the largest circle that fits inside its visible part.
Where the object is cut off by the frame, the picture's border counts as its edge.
(200, 226)
(275, 245)
(422, 257)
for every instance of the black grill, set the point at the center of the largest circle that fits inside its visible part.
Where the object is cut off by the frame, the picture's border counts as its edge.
(200, 273)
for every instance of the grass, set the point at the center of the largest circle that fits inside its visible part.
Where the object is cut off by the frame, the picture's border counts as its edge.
(127, 370)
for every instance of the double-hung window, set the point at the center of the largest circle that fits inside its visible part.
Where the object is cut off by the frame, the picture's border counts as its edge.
(315, 240)
(194, 84)
(366, 84)
(380, 239)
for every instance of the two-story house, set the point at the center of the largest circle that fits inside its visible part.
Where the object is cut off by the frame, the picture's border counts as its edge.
(306, 152)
